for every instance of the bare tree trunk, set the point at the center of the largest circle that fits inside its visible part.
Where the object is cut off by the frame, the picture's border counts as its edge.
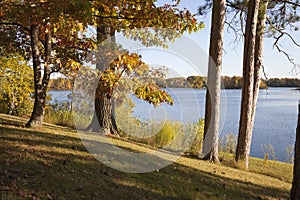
(245, 130)
(12, 105)
(37, 115)
(40, 83)
(212, 104)
(259, 44)
(295, 191)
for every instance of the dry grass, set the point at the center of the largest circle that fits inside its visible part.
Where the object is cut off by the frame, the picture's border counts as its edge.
(52, 163)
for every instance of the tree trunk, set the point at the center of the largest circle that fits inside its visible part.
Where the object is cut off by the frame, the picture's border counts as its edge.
(12, 105)
(104, 118)
(104, 113)
(245, 130)
(212, 104)
(259, 44)
(40, 84)
(295, 191)
(37, 115)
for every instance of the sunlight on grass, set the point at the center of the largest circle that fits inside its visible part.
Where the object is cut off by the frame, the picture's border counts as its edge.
(52, 163)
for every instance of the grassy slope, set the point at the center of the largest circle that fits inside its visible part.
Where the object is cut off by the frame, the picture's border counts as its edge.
(52, 163)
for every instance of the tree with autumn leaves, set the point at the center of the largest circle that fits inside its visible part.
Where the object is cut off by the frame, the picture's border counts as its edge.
(53, 35)
(149, 24)
(46, 33)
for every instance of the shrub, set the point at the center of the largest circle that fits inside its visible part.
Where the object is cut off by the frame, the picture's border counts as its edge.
(228, 143)
(268, 151)
(289, 154)
(165, 135)
(16, 85)
(197, 142)
(59, 113)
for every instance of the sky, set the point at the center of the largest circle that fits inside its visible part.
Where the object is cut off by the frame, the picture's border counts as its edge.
(189, 55)
(276, 64)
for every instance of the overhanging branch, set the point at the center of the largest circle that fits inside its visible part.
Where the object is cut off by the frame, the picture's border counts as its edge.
(15, 24)
(276, 44)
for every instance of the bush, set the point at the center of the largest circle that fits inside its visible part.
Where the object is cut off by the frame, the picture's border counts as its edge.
(165, 135)
(227, 143)
(197, 143)
(16, 85)
(59, 114)
(169, 135)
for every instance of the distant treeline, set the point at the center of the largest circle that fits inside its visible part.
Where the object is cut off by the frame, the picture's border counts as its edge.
(283, 82)
(234, 82)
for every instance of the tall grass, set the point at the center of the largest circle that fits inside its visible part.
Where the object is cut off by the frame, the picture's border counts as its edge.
(59, 113)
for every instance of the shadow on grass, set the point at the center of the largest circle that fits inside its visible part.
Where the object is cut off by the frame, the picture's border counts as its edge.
(43, 165)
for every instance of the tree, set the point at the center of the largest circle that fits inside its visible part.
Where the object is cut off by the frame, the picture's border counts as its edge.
(139, 17)
(54, 31)
(281, 15)
(195, 81)
(295, 191)
(245, 129)
(16, 85)
(48, 34)
(212, 103)
(258, 55)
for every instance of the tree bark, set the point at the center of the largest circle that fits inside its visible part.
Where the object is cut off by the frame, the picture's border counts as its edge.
(212, 104)
(295, 191)
(104, 113)
(40, 83)
(37, 115)
(245, 130)
(104, 117)
(259, 44)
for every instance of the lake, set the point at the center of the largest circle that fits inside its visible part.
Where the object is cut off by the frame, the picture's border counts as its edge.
(275, 121)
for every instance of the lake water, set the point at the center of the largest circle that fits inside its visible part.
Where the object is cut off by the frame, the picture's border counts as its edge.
(275, 121)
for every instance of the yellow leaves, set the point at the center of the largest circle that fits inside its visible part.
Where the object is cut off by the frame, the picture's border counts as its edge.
(16, 83)
(72, 65)
(153, 95)
(127, 62)
(80, 26)
(108, 81)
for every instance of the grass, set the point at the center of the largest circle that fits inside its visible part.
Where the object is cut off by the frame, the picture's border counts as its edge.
(52, 163)
(280, 170)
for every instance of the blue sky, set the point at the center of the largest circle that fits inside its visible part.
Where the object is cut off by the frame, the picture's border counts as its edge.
(276, 64)
(186, 61)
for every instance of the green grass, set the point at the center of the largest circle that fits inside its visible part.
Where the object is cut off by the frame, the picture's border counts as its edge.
(52, 163)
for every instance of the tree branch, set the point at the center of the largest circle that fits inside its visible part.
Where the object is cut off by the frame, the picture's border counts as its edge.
(291, 60)
(22, 27)
(120, 17)
(276, 44)
(289, 2)
(15, 24)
